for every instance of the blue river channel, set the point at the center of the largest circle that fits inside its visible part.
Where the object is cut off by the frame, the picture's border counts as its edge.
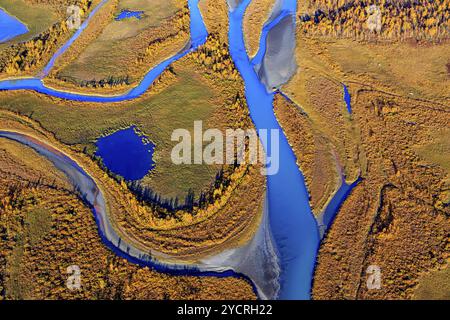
(294, 229)
(10, 27)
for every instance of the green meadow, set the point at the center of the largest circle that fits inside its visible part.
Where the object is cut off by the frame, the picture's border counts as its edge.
(178, 105)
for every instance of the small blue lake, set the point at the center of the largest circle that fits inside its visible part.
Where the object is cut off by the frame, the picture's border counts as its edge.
(127, 14)
(127, 154)
(10, 27)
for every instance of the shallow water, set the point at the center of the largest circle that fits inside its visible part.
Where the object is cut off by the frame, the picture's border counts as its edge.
(125, 154)
(10, 27)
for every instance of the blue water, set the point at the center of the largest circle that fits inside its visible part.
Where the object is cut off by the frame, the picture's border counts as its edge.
(125, 154)
(293, 226)
(77, 33)
(347, 99)
(127, 14)
(10, 27)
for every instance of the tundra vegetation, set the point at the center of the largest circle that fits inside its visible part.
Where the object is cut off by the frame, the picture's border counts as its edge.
(418, 19)
(32, 185)
(185, 211)
(255, 16)
(396, 140)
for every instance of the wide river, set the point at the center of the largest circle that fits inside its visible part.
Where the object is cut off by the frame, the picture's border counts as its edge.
(294, 229)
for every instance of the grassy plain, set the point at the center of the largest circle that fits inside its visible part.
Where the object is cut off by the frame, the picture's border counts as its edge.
(434, 286)
(186, 98)
(127, 48)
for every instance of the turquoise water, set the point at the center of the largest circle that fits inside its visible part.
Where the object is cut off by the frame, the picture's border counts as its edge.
(10, 27)
(125, 154)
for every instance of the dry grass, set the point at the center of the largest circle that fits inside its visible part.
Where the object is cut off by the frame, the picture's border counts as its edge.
(256, 15)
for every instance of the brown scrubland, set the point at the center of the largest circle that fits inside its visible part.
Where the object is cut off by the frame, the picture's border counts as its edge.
(45, 229)
(315, 154)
